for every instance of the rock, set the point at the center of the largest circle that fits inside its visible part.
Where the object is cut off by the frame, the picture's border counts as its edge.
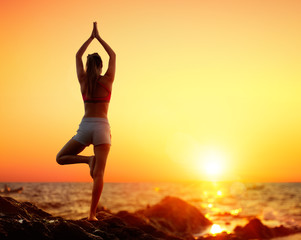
(283, 231)
(26, 221)
(11, 207)
(170, 219)
(254, 229)
(176, 216)
(144, 224)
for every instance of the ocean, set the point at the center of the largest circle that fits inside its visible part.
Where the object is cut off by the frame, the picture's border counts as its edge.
(224, 203)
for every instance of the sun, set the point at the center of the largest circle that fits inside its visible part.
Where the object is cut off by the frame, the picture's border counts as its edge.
(213, 163)
(213, 168)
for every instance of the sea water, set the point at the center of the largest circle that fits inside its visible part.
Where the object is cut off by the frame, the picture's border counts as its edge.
(224, 203)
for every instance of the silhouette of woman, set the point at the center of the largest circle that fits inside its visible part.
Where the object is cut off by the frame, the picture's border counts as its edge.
(94, 127)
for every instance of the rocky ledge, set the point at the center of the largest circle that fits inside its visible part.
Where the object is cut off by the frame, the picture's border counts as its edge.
(170, 219)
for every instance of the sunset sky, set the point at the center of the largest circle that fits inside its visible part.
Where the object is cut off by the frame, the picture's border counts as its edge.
(204, 89)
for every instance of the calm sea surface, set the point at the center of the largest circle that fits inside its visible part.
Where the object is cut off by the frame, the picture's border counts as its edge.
(226, 204)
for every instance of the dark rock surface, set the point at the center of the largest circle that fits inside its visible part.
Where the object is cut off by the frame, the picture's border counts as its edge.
(254, 229)
(26, 221)
(177, 217)
(171, 219)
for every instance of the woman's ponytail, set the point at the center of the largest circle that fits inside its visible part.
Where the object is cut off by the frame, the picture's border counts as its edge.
(94, 62)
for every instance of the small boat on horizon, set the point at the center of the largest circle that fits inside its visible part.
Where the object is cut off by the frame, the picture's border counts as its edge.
(9, 190)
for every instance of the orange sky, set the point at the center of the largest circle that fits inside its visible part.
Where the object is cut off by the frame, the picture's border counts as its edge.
(194, 79)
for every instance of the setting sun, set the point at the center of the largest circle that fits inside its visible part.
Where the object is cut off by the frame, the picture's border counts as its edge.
(212, 168)
(213, 163)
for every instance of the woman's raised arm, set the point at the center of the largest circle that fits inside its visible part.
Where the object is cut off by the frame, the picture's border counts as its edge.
(79, 62)
(112, 61)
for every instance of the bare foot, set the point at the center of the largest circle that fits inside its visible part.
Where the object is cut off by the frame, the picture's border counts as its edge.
(91, 165)
(92, 219)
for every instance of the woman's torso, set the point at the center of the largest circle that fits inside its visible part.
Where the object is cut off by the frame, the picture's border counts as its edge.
(97, 109)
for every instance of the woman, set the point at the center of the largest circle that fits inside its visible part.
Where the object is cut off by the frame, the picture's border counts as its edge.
(94, 127)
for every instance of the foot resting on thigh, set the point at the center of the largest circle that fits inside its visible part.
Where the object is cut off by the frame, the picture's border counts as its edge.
(92, 165)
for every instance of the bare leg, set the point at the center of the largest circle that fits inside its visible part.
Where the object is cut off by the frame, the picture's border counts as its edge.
(101, 154)
(68, 154)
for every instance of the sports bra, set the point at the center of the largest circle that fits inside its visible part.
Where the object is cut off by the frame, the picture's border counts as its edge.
(98, 99)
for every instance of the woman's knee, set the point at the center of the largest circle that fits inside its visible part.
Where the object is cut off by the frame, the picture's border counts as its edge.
(59, 159)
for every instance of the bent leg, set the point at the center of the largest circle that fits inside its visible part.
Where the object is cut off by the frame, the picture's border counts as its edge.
(68, 154)
(101, 154)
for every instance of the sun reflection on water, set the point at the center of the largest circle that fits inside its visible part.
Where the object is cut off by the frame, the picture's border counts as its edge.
(220, 206)
(215, 229)
(235, 212)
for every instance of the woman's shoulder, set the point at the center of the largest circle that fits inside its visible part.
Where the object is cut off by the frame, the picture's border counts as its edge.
(104, 81)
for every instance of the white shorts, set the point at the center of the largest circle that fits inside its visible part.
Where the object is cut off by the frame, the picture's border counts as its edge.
(94, 131)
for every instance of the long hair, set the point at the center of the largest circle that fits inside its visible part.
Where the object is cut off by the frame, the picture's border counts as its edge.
(93, 63)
